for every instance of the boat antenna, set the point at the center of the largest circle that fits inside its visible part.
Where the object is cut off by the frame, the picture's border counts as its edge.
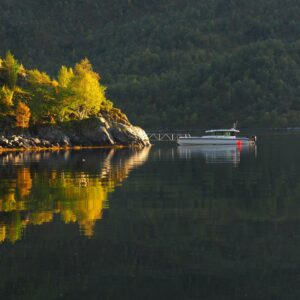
(235, 124)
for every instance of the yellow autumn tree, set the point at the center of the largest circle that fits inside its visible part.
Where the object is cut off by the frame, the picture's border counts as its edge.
(22, 115)
(87, 91)
(65, 76)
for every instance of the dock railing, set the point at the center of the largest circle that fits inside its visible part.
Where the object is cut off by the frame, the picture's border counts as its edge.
(165, 136)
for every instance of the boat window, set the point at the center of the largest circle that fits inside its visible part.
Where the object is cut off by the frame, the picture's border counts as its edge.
(223, 133)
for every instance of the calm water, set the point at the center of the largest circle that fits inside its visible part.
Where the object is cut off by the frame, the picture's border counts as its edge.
(162, 223)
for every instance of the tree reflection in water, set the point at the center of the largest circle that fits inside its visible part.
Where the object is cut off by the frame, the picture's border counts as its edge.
(37, 186)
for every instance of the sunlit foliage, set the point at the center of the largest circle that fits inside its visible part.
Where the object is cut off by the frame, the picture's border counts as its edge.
(79, 91)
(65, 76)
(43, 94)
(10, 69)
(76, 93)
(22, 115)
(6, 97)
(88, 93)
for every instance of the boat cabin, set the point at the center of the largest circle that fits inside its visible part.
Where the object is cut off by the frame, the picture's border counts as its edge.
(222, 132)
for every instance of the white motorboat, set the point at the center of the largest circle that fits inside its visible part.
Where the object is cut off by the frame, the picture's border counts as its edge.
(217, 137)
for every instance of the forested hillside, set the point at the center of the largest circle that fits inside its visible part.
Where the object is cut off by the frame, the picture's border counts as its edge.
(171, 63)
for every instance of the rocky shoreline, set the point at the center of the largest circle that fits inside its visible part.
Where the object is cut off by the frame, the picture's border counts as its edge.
(91, 132)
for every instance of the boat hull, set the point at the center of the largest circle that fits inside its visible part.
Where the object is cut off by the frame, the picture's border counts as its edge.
(212, 141)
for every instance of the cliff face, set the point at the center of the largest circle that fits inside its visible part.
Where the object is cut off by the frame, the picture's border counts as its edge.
(102, 130)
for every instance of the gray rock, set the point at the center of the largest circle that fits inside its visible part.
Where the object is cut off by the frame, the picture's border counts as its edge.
(54, 135)
(36, 141)
(45, 143)
(104, 130)
(91, 132)
(4, 142)
(129, 135)
(27, 144)
(15, 138)
(15, 143)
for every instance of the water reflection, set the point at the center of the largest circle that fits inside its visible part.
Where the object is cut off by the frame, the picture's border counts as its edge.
(217, 153)
(34, 187)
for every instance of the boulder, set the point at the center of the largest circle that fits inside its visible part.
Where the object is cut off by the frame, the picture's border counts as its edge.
(4, 141)
(15, 138)
(91, 132)
(128, 135)
(36, 141)
(54, 135)
(45, 143)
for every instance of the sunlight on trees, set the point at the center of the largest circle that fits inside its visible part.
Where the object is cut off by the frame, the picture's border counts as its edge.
(88, 93)
(6, 97)
(22, 115)
(75, 94)
(12, 69)
(64, 76)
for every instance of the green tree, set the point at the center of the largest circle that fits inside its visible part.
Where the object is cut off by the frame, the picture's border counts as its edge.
(10, 70)
(43, 95)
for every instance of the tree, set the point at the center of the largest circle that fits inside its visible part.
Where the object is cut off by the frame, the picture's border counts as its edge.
(65, 76)
(88, 93)
(76, 92)
(22, 115)
(43, 94)
(6, 97)
(10, 69)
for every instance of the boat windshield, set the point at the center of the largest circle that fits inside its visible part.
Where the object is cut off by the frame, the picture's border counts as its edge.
(224, 133)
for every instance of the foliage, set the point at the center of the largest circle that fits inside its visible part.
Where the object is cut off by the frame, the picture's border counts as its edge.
(172, 63)
(64, 76)
(11, 70)
(6, 97)
(75, 93)
(22, 115)
(42, 92)
(88, 94)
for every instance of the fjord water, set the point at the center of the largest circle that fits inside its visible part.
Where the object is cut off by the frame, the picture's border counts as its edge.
(156, 223)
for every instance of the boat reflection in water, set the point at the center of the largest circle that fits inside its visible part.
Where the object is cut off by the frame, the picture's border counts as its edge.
(36, 187)
(217, 153)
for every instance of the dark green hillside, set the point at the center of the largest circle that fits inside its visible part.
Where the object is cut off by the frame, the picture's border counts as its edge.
(176, 63)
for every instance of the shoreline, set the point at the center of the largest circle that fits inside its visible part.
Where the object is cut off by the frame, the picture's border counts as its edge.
(38, 149)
